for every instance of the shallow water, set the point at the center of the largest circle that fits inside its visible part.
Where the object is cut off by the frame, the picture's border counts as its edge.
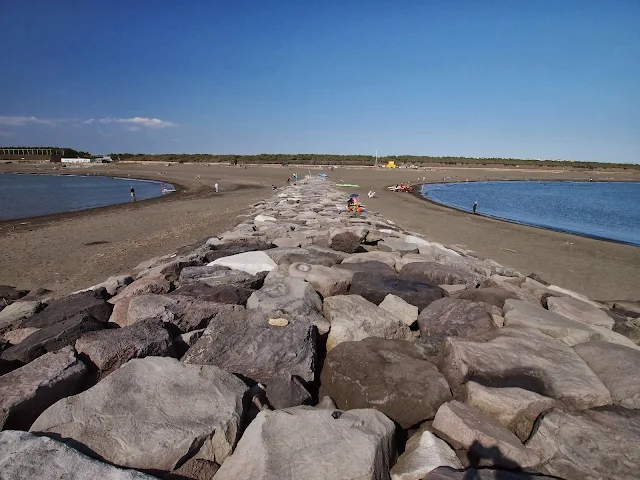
(605, 210)
(23, 196)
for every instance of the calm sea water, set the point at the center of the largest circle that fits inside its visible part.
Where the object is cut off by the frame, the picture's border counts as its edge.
(595, 209)
(23, 196)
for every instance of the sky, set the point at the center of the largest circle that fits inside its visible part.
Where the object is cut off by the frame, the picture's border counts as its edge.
(555, 79)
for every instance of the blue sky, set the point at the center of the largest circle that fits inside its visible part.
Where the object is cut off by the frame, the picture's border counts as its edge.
(511, 78)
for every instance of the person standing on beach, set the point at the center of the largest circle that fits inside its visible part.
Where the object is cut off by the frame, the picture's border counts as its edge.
(216, 187)
(133, 194)
(475, 206)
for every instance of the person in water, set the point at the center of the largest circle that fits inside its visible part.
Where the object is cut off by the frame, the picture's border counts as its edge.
(133, 194)
(475, 206)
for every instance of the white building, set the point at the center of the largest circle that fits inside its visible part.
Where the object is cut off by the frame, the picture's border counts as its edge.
(75, 160)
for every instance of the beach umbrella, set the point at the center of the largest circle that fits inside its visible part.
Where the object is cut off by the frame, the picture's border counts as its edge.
(353, 195)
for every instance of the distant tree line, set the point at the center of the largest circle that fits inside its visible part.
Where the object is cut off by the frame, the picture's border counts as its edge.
(362, 160)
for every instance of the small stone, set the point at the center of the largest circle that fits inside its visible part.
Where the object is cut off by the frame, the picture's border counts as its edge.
(278, 322)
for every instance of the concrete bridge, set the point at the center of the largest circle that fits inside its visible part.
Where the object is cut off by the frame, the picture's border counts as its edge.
(27, 154)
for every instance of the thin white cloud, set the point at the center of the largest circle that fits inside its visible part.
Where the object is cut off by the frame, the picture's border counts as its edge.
(140, 121)
(20, 121)
(89, 121)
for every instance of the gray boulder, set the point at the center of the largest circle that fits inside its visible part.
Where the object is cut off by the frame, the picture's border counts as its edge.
(437, 274)
(354, 318)
(375, 288)
(152, 413)
(91, 303)
(579, 311)
(152, 284)
(107, 350)
(486, 442)
(617, 366)
(215, 275)
(12, 315)
(397, 245)
(423, 453)
(337, 445)
(602, 445)
(387, 258)
(458, 318)
(491, 295)
(526, 359)
(225, 293)
(389, 375)
(399, 308)
(28, 391)
(325, 280)
(347, 239)
(24, 456)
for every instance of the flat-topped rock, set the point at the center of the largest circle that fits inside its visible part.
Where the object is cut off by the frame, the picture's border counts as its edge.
(388, 258)
(423, 453)
(375, 287)
(153, 413)
(487, 443)
(373, 267)
(357, 444)
(325, 280)
(514, 408)
(389, 375)
(223, 293)
(617, 366)
(491, 295)
(214, 275)
(399, 308)
(524, 314)
(579, 311)
(437, 274)
(28, 391)
(391, 244)
(24, 456)
(346, 239)
(250, 262)
(16, 336)
(354, 318)
(458, 318)
(91, 303)
(527, 359)
(152, 284)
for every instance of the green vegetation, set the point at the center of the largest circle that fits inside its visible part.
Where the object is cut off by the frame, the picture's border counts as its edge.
(363, 160)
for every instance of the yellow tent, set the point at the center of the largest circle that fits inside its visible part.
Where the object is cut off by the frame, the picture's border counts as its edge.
(391, 164)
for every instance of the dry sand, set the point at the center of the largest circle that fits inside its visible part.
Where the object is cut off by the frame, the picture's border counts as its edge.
(72, 251)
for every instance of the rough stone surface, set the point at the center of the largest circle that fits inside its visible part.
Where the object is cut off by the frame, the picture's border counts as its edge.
(487, 443)
(152, 284)
(28, 391)
(515, 409)
(387, 258)
(24, 456)
(244, 343)
(347, 239)
(354, 318)
(337, 445)
(400, 309)
(524, 314)
(458, 318)
(388, 375)
(11, 294)
(372, 267)
(579, 311)
(16, 336)
(617, 366)
(526, 359)
(446, 473)
(249, 262)
(594, 445)
(437, 274)
(13, 314)
(326, 281)
(376, 287)
(52, 338)
(215, 275)
(285, 390)
(397, 245)
(91, 303)
(423, 453)
(491, 295)
(152, 413)
(107, 350)
(225, 293)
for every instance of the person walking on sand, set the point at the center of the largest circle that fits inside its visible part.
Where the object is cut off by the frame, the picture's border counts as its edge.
(475, 206)
(133, 194)
(216, 187)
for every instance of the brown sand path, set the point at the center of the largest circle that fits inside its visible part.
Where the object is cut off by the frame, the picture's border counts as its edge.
(61, 253)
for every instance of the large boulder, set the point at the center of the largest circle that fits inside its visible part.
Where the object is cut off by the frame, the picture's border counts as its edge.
(52, 337)
(376, 287)
(347, 239)
(249, 262)
(389, 375)
(617, 366)
(152, 413)
(387, 258)
(12, 315)
(107, 350)
(491, 295)
(514, 408)
(423, 453)
(399, 308)
(326, 281)
(246, 343)
(602, 445)
(391, 244)
(28, 391)
(373, 267)
(438, 274)
(24, 456)
(486, 442)
(457, 318)
(218, 275)
(524, 314)
(579, 311)
(91, 303)
(225, 293)
(526, 359)
(185, 312)
(354, 318)
(152, 284)
(305, 443)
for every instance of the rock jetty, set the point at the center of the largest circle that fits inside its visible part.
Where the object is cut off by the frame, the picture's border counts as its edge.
(314, 343)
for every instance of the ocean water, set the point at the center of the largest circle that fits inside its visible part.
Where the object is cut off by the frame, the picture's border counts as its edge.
(23, 196)
(605, 210)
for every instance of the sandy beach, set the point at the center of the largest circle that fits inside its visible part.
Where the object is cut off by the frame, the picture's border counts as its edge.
(71, 251)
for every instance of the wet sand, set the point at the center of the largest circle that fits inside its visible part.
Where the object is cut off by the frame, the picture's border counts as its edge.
(71, 251)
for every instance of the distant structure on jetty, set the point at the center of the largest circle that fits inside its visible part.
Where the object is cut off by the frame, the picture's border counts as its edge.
(31, 154)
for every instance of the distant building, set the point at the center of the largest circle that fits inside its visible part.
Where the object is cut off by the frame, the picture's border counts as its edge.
(76, 160)
(30, 154)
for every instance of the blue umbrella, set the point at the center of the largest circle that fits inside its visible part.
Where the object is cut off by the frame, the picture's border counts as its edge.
(353, 195)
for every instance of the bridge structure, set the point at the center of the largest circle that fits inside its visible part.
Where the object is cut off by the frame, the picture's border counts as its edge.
(30, 154)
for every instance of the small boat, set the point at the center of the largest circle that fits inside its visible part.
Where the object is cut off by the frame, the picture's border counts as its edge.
(324, 175)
